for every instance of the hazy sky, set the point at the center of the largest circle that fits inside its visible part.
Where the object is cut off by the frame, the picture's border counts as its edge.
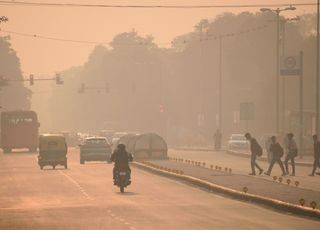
(45, 57)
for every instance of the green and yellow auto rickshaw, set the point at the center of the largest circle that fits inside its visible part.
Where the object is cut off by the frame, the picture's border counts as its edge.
(52, 150)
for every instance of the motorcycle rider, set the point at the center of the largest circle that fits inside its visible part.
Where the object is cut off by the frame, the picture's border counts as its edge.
(121, 157)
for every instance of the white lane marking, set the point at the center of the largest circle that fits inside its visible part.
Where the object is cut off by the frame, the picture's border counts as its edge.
(120, 219)
(77, 185)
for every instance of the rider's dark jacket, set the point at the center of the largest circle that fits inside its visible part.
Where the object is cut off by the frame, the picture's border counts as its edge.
(121, 157)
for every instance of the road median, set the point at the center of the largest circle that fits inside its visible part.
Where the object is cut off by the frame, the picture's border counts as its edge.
(244, 195)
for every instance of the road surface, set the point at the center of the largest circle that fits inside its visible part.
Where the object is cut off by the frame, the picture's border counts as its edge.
(83, 197)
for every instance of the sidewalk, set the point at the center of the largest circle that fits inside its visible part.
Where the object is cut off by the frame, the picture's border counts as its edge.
(257, 186)
(305, 161)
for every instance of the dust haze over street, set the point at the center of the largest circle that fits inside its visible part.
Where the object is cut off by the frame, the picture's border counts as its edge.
(175, 114)
(83, 198)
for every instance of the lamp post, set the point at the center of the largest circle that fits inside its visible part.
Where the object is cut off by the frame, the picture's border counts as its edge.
(283, 41)
(317, 74)
(277, 11)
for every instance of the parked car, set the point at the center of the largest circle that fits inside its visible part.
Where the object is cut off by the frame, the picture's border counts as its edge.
(237, 141)
(95, 149)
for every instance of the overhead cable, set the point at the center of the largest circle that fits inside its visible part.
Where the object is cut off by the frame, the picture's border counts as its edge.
(25, 3)
(206, 38)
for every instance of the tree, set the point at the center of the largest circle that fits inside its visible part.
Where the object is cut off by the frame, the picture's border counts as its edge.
(14, 96)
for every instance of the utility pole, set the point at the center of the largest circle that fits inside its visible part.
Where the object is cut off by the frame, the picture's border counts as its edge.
(220, 84)
(283, 53)
(277, 11)
(301, 103)
(277, 71)
(317, 73)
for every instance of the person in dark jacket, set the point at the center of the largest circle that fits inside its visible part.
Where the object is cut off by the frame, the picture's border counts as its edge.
(276, 154)
(292, 152)
(316, 151)
(121, 157)
(254, 146)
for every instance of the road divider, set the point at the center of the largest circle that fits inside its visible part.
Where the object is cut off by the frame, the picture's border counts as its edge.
(240, 195)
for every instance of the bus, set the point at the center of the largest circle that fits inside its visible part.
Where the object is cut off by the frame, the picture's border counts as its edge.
(19, 129)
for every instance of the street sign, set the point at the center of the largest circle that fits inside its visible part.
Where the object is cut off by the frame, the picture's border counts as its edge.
(290, 66)
(246, 111)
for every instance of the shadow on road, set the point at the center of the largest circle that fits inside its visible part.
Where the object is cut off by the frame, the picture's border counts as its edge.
(128, 193)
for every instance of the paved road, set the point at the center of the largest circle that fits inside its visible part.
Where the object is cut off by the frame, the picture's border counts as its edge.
(241, 165)
(83, 197)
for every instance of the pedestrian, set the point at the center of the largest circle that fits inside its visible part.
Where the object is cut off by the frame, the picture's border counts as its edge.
(292, 152)
(276, 154)
(256, 150)
(316, 151)
(267, 145)
(217, 139)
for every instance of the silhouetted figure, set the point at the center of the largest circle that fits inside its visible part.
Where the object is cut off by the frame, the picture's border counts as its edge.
(121, 158)
(316, 151)
(292, 152)
(217, 139)
(256, 150)
(276, 154)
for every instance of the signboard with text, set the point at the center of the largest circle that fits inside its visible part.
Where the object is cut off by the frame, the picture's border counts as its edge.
(290, 66)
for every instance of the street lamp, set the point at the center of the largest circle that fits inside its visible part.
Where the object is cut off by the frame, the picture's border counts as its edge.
(283, 40)
(277, 11)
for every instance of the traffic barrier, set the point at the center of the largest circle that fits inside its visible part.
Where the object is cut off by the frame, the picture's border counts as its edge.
(288, 181)
(302, 201)
(313, 204)
(240, 195)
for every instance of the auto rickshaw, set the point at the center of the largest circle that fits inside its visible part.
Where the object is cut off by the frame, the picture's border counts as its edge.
(52, 150)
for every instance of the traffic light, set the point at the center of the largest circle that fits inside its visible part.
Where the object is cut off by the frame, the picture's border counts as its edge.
(82, 88)
(161, 108)
(31, 80)
(59, 81)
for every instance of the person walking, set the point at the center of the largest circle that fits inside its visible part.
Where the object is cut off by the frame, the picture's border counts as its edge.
(316, 151)
(276, 154)
(256, 150)
(292, 152)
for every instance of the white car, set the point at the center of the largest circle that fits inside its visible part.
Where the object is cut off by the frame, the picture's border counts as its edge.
(238, 141)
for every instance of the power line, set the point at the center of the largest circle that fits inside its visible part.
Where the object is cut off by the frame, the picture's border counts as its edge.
(25, 3)
(208, 38)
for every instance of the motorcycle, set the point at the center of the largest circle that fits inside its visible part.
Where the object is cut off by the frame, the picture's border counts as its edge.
(122, 178)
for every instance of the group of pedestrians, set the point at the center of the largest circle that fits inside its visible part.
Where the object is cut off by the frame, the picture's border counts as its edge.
(277, 153)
